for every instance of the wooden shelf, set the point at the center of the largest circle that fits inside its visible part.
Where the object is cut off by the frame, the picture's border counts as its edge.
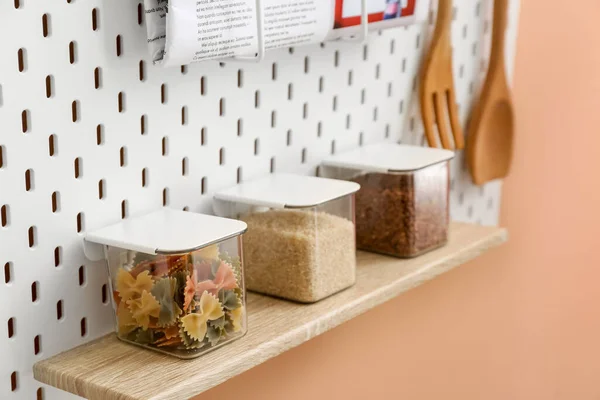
(110, 369)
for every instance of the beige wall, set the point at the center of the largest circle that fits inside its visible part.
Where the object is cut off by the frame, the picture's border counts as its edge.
(522, 322)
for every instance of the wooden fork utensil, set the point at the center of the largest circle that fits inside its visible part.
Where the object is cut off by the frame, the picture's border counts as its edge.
(438, 98)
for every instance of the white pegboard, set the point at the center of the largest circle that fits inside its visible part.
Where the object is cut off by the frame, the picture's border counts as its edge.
(91, 132)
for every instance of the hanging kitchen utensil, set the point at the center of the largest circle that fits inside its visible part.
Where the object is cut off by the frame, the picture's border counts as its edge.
(490, 141)
(438, 99)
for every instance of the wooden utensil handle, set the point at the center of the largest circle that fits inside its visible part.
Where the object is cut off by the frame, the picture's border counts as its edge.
(444, 20)
(498, 33)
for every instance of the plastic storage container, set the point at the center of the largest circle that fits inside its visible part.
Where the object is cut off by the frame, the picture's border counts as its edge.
(402, 208)
(300, 243)
(177, 280)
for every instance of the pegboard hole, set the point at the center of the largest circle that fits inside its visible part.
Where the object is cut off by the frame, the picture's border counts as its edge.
(256, 146)
(32, 236)
(22, 59)
(29, 180)
(273, 119)
(401, 107)
(321, 84)
(142, 70)
(222, 107)
(290, 91)
(80, 222)
(203, 85)
(304, 155)
(387, 131)
(143, 124)
(222, 156)
(363, 96)
(119, 45)
(361, 139)
(257, 99)
(35, 288)
(2, 157)
(121, 102)
(83, 325)
(59, 310)
(375, 114)
(336, 59)
(333, 147)
(5, 215)
(239, 175)
(184, 166)
(403, 65)
(11, 327)
(145, 177)
(95, 19)
(240, 127)
(204, 185)
(99, 134)
(272, 165)
(52, 145)
(73, 52)
(204, 133)
(82, 275)
(78, 166)
(306, 65)
(104, 294)
(334, 105)
(389, 90)
(165, 196)
(49, 86)
(289, 137)
(37, 345)
(240, 78)
(184, 117)
(392, 46)
(319, 129)
(57, 256)
(14, 381)
(163, 93)
(55, 202)
(348, 121)
(25, 121)
(365, 52)
(350, 77)
(305, 111)
(140, 14)
(97, 78)
(123, 156)
(101, 189)
(124, 209)
(165, 146)
(274, 72)
(8, 272)
(75, 110)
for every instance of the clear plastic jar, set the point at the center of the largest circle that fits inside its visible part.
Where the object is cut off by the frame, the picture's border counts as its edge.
(402, 208)
(180, 302)
(300, 243)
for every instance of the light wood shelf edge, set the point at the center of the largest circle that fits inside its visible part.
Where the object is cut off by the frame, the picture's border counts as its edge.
(107, 368)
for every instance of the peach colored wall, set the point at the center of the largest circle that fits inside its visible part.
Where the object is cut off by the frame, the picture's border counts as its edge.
(522, 322)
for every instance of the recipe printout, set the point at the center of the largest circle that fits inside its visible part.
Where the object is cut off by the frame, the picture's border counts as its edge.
(185, 31)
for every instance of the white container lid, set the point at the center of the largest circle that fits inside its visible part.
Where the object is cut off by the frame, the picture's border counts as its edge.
(288, 191)
(167, 231)
(389, 157)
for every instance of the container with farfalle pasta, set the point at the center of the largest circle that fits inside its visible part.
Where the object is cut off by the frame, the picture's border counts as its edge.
(177, 280)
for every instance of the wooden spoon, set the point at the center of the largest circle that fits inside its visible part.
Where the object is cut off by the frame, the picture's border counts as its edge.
(490, 140)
